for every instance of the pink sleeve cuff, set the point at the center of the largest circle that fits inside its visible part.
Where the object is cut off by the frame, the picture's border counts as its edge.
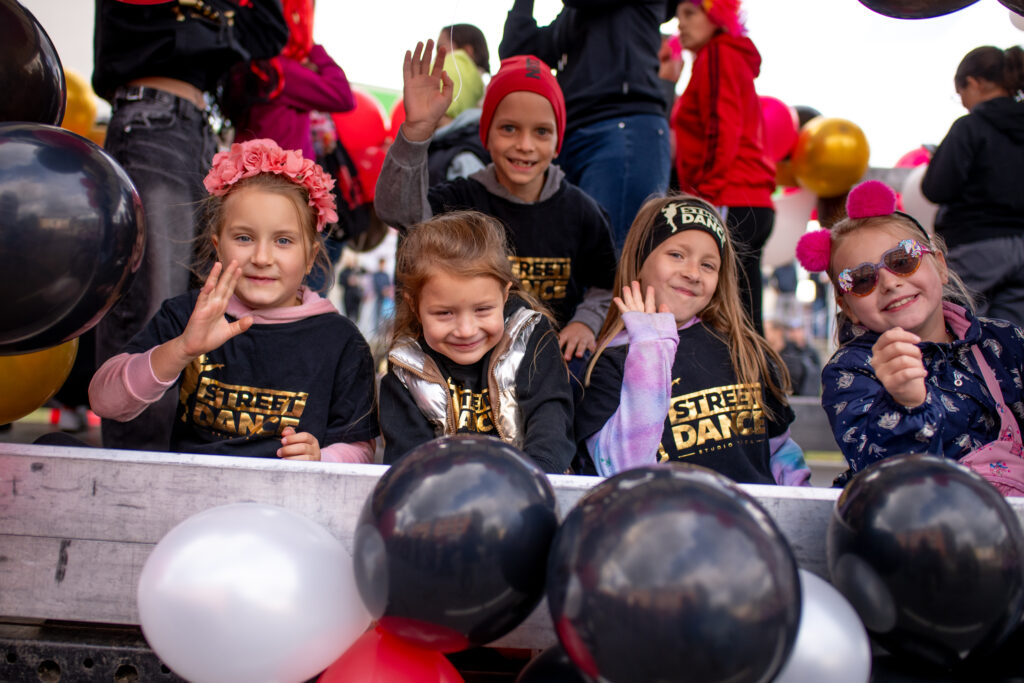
(358, 452)
(125, 385)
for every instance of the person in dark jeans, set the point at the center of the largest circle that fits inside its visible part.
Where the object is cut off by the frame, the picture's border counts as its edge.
(616, 145)
(155, 64)
(350, 279)
(382, 290)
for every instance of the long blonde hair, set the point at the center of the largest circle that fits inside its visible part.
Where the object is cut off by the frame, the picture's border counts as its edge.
(753, 360)
(464, 243)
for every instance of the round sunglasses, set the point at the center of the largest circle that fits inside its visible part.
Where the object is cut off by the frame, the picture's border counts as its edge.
(904, 259)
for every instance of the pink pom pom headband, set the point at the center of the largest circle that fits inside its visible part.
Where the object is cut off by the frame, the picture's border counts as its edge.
(866, 200)
(253, 157)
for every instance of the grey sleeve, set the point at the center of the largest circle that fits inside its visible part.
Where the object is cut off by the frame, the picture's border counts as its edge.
(593, 309)
(401, 195)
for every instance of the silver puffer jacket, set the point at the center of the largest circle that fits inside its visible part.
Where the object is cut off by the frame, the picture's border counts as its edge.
(429, 388)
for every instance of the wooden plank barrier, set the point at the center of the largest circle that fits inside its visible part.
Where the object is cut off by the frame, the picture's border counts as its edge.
(76, 525)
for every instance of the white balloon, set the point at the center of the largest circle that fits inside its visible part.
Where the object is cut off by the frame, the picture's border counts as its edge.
(1017, 20)
(792, 212)
(249, 592)
(831, 642)
(914, 201)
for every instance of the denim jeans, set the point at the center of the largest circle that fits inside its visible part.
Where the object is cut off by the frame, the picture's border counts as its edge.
(620, 162)
(165, 144)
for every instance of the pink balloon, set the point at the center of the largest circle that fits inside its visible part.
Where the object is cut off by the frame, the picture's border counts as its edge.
(781, 126)
(914, 157)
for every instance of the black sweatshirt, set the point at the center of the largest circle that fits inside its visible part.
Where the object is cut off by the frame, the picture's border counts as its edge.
(977, 174)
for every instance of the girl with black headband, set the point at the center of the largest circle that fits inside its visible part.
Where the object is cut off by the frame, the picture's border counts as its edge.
(679, 373)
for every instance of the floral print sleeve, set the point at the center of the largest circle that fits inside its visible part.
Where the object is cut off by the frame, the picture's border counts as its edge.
(867, 423)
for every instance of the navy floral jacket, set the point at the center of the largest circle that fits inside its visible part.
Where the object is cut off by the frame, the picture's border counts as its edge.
(958, 415)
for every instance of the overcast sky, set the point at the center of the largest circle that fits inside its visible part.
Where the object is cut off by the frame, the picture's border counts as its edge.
(892, 77)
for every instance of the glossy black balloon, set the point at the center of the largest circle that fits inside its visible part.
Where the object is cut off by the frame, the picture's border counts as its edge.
(551, 666)
(931, 556)
(1015, 5)
(451, 546)
(805, 113)
(671, 573)
(72, 230)
(916, 9)
(31, 76)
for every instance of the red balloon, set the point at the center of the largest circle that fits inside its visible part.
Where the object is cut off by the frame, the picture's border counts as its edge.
(364, 126)
(379, 657)
(397, 118)
(781, 126)
(914, 157)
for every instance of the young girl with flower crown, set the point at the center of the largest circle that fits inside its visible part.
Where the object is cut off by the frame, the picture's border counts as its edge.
(680, 374)
(262, 365)
(471, 352)
(916, 371)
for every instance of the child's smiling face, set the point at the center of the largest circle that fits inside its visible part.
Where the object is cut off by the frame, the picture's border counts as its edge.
(462, 317)
(913, 303)
(262, 231)
(684, 273)
(522, 141)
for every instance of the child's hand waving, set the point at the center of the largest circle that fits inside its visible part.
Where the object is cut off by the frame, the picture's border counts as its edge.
(896, 360)
(426, 93)
(298, 446)
(632, 301)
(207, 328)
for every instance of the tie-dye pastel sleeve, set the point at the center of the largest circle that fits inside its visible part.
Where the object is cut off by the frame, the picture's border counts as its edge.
(787, 462)
(631, 435)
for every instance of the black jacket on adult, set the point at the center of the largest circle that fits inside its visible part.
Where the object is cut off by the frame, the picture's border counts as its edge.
(192, 44)
(606, 53)
(977, 174)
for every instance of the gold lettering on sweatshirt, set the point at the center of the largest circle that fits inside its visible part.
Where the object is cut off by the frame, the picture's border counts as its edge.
(709, 419)
(237, 410)
(473, 410)
(545, 277)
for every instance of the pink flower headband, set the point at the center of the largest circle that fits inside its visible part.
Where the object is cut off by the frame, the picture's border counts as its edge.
(246, 159)
(868, 199)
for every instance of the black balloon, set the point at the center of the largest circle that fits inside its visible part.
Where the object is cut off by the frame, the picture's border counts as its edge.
(72, 232)
(451, 546)
(916, 9)
(1015, 5)
(931, 556)
(551, 666)
(805, 113)
(31, 75)
(673, 573)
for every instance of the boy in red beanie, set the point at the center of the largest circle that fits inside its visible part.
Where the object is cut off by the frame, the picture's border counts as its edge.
(560, 237)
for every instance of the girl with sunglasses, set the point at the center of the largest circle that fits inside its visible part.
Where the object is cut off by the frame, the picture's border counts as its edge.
(916, 371)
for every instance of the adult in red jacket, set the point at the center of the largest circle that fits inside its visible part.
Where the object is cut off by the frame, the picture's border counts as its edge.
(718, 129)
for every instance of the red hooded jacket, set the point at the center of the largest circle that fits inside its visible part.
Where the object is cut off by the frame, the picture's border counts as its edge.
(719, 127)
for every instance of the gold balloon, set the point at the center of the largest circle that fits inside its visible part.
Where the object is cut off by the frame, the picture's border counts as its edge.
(80, 112)
(28, 380)
(830, 156)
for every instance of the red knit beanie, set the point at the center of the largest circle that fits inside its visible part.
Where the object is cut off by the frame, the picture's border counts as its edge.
(523, 72)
